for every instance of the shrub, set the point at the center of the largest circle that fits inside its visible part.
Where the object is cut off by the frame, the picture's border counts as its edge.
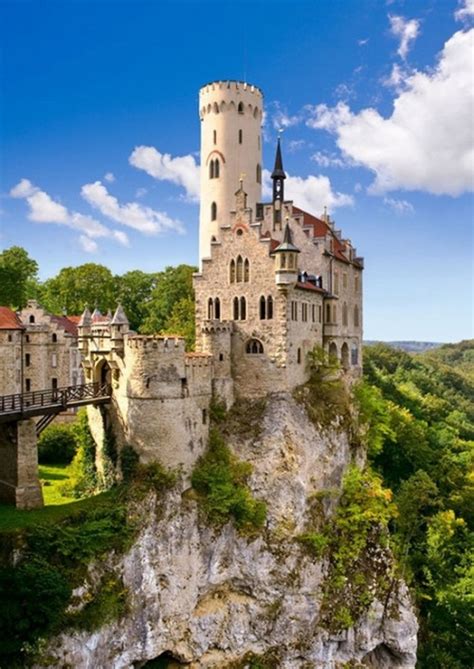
(84, 474)
(57, 444)
(220, 479)
(109, 603)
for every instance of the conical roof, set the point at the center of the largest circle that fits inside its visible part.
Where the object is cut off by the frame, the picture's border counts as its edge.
(287, 243)
(86, 318)
(120, 317)
(278, 171)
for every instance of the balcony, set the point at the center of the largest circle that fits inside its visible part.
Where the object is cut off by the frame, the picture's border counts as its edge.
(330, 329)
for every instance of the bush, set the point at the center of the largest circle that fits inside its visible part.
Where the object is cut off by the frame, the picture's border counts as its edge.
(84, 474)
(57, 444)
(220, 479)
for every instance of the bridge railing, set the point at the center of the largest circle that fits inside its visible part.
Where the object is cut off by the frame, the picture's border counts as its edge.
(37, 399)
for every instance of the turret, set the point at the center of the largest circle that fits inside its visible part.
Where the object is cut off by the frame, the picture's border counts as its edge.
(119, 325)
(84, 329)
(286, 261)
(278, 178)
(231, 118)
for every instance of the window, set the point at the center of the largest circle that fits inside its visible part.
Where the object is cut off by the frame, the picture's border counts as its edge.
(9, 337)
(263, 308)
(236, 308)
(246, 270)
(283, 260)
(356, 316)
(320, 314)
(213, 211)
(240, 264)
(344, 314)
(221, 357)
(243, 309)
(328, 313)
(211, 170)
(28, 385)
(294, 311)
(232, 271)
(254, 347)
(344, 280)
(259, 141)
(216, 168)
(259, 174)
(54, 384)
(336, 283)
(356, 283)
(240, 108)
(54, 338)
(354, 355)
(240, 136)
(210, 309)
(31, 319)
(27, 360)
(217, 309)
(204, 416)
(298, 356)
(334, 314)
(269, 307)
(54, 360)
(27, 338)
(214, 136)
(313, 313)
(304, 312)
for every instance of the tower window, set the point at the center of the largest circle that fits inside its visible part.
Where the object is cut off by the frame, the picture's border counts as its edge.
(240, 136)
(243, 309)
(31, 319)
(54, 338)
(27, 385)
(240, 264)
(232, 271)
(313, 313)
(239, 309)
(246, 270)
(254, 347)
(240, 108)
(214, 136)
(270, 307)
(356, 283)
(236, 308)
(27, 360)
(263, 308)
(304, 312)
(216, 168)
(213, 211)
(356, 316)
(54, 384)
(210, 309)
(328, 313)
(217, 309)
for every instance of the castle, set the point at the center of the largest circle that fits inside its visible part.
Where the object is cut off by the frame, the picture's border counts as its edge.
(274, 282)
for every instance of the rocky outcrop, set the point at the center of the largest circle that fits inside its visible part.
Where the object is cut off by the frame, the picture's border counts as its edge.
(210, 598)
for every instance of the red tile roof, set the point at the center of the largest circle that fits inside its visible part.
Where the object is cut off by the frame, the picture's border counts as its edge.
(67, 323)
(9, 320)
(309, 286)
(321, 229)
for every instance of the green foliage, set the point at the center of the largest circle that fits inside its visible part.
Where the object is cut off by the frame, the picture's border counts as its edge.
(315, 542)
(74, 287)
(57, 444)
(220, 480)
(84, 474)
(425, 452)
(128, 462)
(18, 277)
(109, 603)
(133, 290)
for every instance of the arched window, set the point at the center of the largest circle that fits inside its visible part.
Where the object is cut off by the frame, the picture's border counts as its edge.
(263, 308)
(214, 136)
(298, 356)
(354, 355)
(270, 307)
(217, 309)
(328, 313)
(232, 271)
(240, 136)
(345, 355)
(246, 270)
(216, 168)
(356, 316)
(211, 170)
(333, 351)
(54, 338)
(344, 315)
(243, 309)
(213, 211)
(31, 319)
(240, 265)
(240, 108)
(210, 309)
(236, 308)
(254, 347)
(216, 108)
(259, 174)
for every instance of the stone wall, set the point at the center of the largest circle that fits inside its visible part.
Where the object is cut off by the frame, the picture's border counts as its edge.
(19, 482)
(10, 361)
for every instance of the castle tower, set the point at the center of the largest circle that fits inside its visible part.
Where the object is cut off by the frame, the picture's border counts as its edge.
(231, 149)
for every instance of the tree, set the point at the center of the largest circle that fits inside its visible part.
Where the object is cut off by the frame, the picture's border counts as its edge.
(181, 321)
(74, 287)
(173, 285)
(18, 277)
(134, 290)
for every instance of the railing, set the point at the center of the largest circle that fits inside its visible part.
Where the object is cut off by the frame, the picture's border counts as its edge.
(36, 400)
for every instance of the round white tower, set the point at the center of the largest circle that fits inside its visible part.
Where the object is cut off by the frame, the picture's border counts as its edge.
(231, 149)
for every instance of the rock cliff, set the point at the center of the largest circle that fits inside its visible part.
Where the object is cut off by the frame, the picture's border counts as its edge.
(211, 597)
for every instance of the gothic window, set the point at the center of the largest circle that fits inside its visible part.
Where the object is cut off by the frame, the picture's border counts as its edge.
(216, 168)
(214, 136)
(211, 170)
(232, 271)
(243, 309)
(356, 316)
(344, 314)
(240, 108)
(254, 347)
(213, 211)
(31, 319)
(240, 265)
(263, 308)
(259, 174)
(240, 136)
(345, 356)
(246, 270)
(354, 355)
(236, 308)
(210, 309)
(270, 307)
(217, 309)
(328, 313)
(294, 311)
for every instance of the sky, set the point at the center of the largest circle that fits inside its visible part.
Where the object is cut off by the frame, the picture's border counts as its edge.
(99, 128)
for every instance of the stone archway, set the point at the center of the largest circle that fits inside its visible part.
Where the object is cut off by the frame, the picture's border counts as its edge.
(345, 356)
(332, 350)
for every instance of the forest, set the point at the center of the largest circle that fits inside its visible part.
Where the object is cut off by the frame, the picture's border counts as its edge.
(417, 411)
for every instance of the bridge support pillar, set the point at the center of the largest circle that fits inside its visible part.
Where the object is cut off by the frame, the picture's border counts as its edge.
(19, 481)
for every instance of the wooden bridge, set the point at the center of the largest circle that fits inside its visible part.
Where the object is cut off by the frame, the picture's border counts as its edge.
(19, 482)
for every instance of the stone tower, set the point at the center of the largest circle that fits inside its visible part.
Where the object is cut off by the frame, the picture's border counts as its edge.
(231, 149)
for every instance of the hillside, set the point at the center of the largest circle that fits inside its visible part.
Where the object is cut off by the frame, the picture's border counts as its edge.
(422, 417)
(408, 346)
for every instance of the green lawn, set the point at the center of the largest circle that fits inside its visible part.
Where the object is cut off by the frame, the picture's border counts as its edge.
(56, 506)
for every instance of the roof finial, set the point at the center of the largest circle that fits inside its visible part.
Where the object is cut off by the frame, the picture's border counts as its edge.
(241, 180)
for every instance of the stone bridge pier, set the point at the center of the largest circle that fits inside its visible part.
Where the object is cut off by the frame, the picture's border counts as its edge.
(19, 481)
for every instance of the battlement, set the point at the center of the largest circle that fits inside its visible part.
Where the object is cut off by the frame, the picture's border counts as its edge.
(230, 85)
(155, 343)
(216, 326)
(231, 96)
(198, 360)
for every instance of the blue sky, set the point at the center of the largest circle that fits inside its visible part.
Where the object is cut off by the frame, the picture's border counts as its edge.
(375, 97)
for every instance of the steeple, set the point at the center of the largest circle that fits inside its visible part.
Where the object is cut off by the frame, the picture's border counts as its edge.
(278, 176)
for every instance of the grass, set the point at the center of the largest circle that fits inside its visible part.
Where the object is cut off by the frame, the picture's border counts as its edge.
(52, 478)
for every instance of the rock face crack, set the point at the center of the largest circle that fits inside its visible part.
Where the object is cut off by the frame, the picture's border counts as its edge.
(206, 598)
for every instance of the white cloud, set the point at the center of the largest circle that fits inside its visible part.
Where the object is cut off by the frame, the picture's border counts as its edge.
(326, 159)
(312, 193)
(295, 145)
(427, 143)
(43, 209)
(140, 192)
(363, 42)
(88, 244)
(109, 177)
(132, 214)
(182, 170)
(281, 119)
(397, 78)
(406, 31)
(400, 206)
(465, 11)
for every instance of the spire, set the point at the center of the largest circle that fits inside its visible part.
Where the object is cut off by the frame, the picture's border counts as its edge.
(86, 318)
(287, 243)
(278, 176)
(119, 317)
